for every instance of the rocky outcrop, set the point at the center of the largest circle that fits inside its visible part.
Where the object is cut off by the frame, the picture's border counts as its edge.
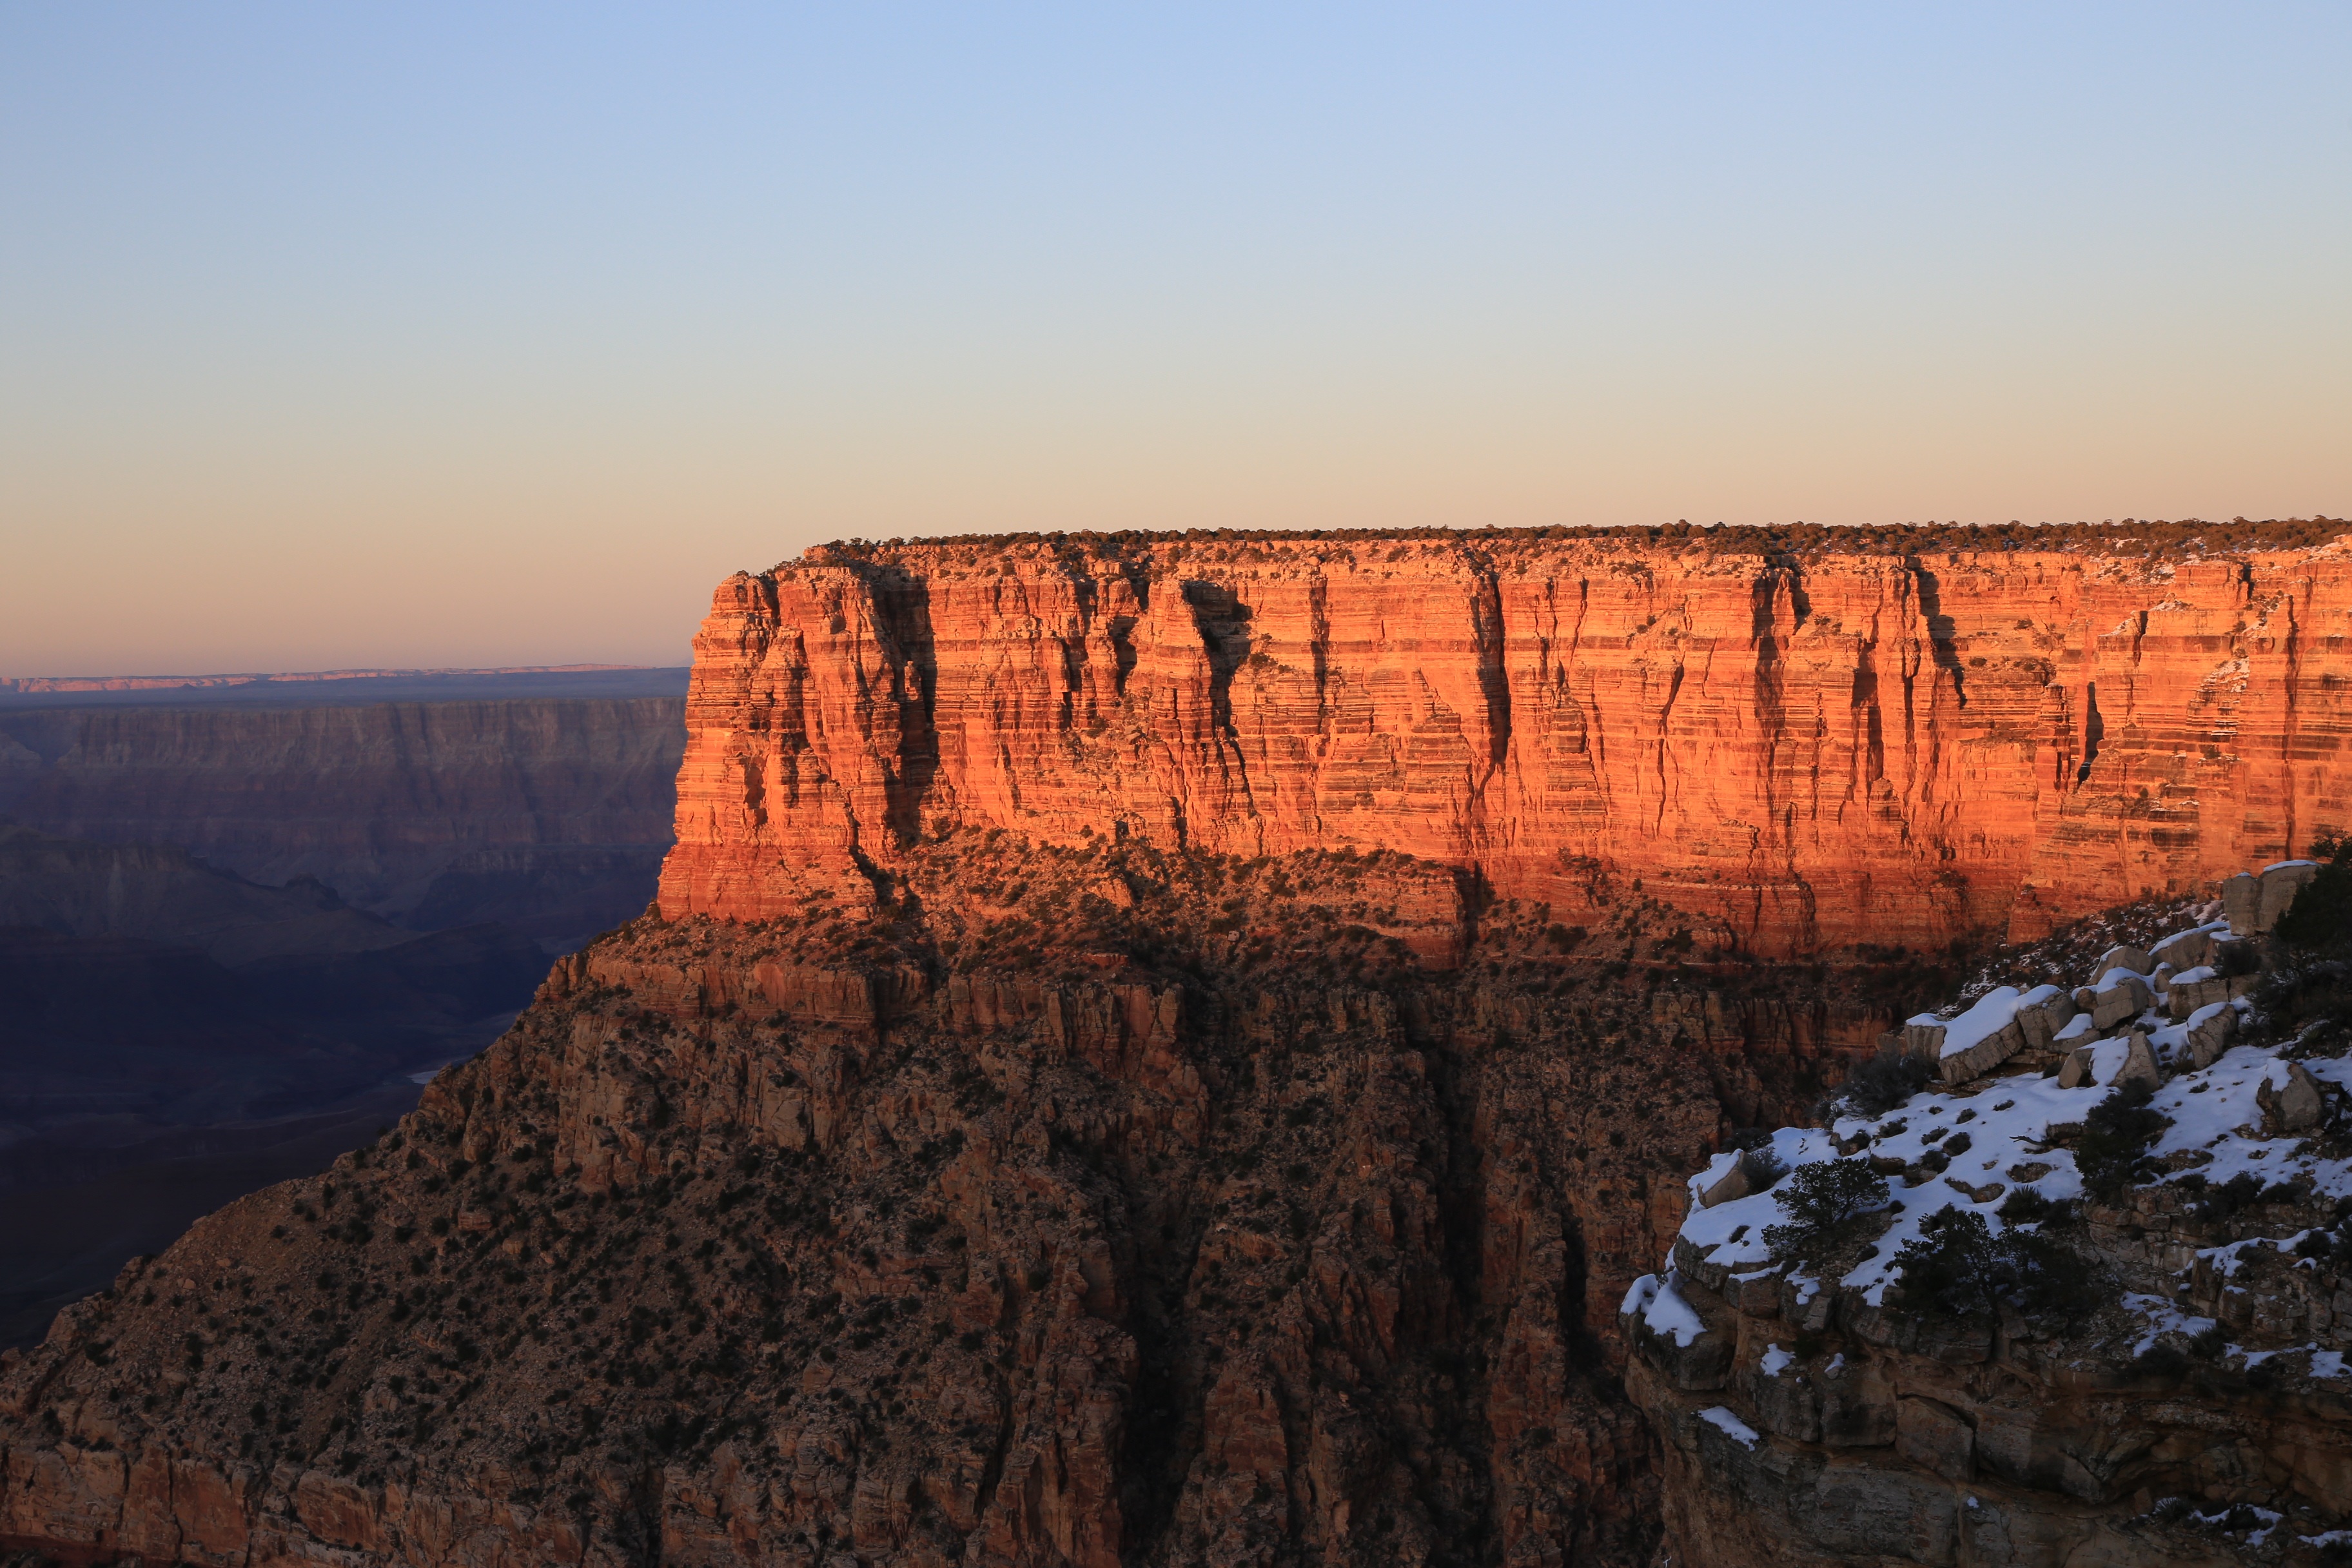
(1086, 1207)
(2160, 1379)
(1804, 749)
(551, 814)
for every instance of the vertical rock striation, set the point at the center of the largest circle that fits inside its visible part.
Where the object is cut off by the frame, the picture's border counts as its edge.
(1810, 749)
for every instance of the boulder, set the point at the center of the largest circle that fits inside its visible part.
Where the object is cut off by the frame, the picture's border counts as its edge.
(2297, 1108)
(2193, 990)
(2210, 1029)
(2075, 1071)
(2139, 1065)
(2242, 903)
(1984, 1055)
(2039, 1022)
(1923, 1041)
(1979, 1039)
(2127, 997)
(2280, 884)
(2132, 958)
(1745, 1178)
(2184, 950)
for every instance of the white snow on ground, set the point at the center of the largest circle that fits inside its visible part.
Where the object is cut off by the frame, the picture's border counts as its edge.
(2162, 1317)
(1731, 1425)
(2005, 1121)
(1776, 1361)
(2227, 1257)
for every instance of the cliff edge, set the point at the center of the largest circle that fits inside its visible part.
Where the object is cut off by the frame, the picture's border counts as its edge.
(1804, 748)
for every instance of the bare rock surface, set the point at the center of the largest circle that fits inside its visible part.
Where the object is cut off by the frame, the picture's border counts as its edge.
(1804, 748)
(1079, 1205)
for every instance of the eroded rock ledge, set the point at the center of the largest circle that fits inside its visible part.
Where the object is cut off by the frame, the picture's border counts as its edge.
(2191, 1404)
(1094, 1205)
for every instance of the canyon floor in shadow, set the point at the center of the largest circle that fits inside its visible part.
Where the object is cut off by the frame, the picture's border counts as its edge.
(236, 938)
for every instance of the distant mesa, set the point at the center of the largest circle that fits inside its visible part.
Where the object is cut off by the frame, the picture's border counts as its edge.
(44, 685)
(305, 688)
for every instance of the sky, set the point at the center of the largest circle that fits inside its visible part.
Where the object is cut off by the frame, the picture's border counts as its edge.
(482, 333)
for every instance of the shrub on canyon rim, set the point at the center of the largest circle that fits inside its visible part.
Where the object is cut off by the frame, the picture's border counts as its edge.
(1825, 1202)
(1883, 1082)
(1957, 1269)
(2311, 982)
(2115, 1136)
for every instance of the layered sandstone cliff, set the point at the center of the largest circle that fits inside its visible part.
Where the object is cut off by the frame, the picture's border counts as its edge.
(1806, 749)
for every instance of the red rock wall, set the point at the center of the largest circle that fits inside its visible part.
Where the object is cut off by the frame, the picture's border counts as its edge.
(1813, 752)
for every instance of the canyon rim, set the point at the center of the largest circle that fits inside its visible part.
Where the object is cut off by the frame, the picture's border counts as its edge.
(1175, 1048)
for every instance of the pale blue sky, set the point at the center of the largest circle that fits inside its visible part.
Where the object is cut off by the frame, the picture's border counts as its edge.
(337, 335)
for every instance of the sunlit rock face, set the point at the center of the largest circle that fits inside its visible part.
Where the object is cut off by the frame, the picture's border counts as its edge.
(1809, 750)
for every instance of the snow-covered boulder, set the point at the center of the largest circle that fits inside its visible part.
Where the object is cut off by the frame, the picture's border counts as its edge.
(2208, 1031)
(2040, 1022)
(2118, 996)
(2290, 1099)
(2139, 1064)
(2185, 950)
(1981, 1038)
(2132, 958)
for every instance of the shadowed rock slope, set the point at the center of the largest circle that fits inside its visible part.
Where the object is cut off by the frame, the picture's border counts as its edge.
(1082, 1205)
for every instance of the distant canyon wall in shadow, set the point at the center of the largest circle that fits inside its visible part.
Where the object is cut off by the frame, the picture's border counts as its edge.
(551, 814)
(232, 934)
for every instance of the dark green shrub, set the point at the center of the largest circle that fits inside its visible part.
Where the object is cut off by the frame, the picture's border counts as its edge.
(2025, 1206)
(2115, 1136)
(2320, 919)
(1957, 1269)
(2054, 1283)
(1825, 1202)
(1883, 1082)
(1954, 1269)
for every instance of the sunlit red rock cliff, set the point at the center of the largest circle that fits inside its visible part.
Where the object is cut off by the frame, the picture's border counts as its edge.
(1854, 741)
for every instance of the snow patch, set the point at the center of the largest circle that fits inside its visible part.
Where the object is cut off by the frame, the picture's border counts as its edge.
(1721, 1417)
(1666, 1314)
